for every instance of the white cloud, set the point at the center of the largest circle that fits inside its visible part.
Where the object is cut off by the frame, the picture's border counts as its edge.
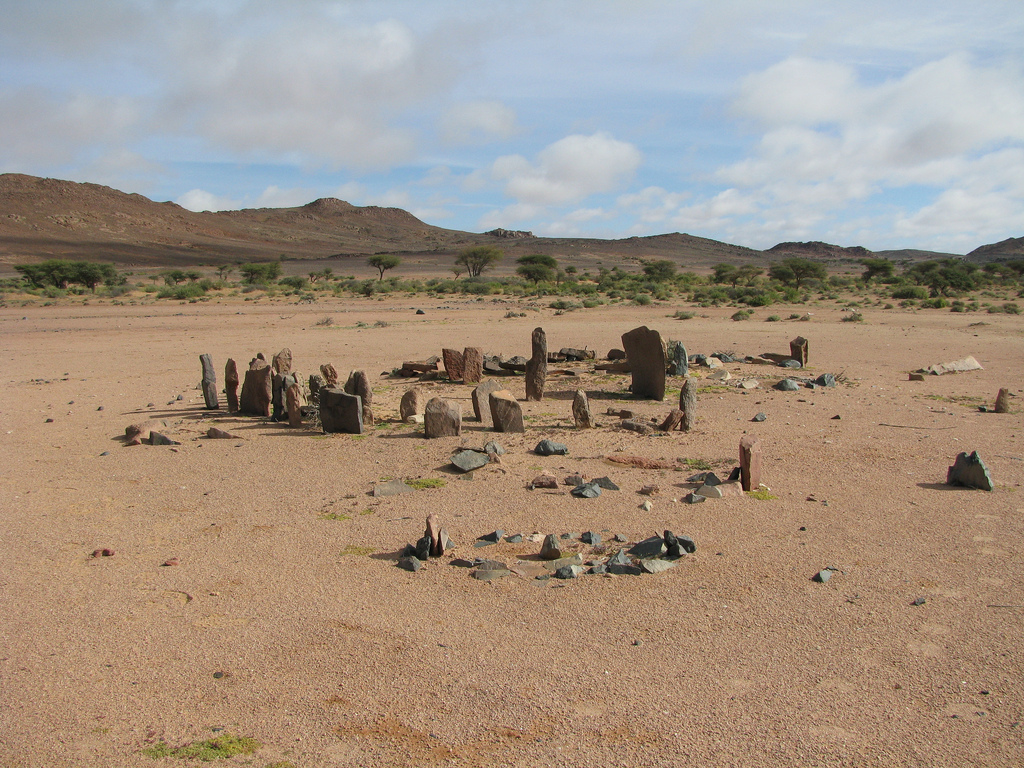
(201, 200)
(569, 170)
(478, 122)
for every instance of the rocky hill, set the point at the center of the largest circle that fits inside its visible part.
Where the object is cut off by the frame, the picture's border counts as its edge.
(1006, 250)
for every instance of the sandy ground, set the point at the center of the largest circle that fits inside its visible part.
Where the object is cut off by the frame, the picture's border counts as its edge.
(268, 629)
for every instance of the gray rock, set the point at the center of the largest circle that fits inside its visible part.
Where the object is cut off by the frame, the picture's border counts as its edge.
(709, 492)
(591, 538)
(209, 382)
(442, 418)
(652, 547)
(423, 548)
(551, 448)
(822, 576)
(655, 565)
(606, 483)
(392, 488)
(495, 448)
(581, 413)
(569, 572)
(550, 550)
(410, 563)
(710, 478)
(574, 480)
(619, 558)
(515, 538)
(969, 470)
(788, 385)
(469, 460)
(624, 570)
(678, 362)
(494, 536)
(157, 438)
(340, 411)
(759, 417)
(537, 366)
(790, 364)
(489, 570)
(481, 401)
(645, 351)
(826, 380)
(506, 413)
(694, 498)
(586, 491)
(599, 569)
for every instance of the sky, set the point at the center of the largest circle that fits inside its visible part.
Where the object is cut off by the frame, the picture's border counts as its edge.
(856, 122)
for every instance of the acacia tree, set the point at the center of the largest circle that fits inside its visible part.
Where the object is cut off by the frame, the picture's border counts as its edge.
(478, 258)
(660, 271)
(876, 268)
(795, 270)
(538, 267)
(382, 262)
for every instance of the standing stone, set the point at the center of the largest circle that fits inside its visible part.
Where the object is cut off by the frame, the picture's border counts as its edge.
(340, 411)
(412, 403)
(1002, 401)
(688, 404)
(750, 463)
(330, 375)
(969, 470)
(472, 365)
(678, 361)
(433, 532)
(798, 350)
(506, 413)
(231, 384)
(581, 410)
(359, 384)
(672, 421)
(209, 382)
(282, 362)
(316, 383)
(280, 384)
(257, 389)
(294, 400)
(481, 401)
(453, 363)
(646, 354)
(442, 418)
(537, 366)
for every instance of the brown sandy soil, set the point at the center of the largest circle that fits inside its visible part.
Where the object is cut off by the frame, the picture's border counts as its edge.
(267, 629)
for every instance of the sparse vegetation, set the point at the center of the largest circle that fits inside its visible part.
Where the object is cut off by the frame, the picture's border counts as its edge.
(218, 748)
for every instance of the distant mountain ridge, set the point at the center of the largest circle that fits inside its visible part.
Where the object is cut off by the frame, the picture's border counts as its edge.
(51, 218)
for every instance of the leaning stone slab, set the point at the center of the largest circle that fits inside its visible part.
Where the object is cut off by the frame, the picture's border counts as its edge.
(442, 418)
(453, 365)
(957, 366)
(506, 413)
(645, 351)
(969, 470)
(340, 411)
(481, 401)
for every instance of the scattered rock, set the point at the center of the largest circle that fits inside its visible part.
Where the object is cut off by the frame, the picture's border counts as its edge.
(970, 471)
(649, 490)
(655, 565)
(568, 572)
(219, 434)
(156, 438)
(574, 480)
(606, 483)
(957, 366)
(826, 380)
(515, 538)
(170, 562)
(591, 538)
(550, 448)
(694, 498)
(822, 576)
(652, 547)
(646, 505)
(506, 413)
(549, 549)
(919, 601)
(468, 460)
(410, 563)
(637, 426)
(544, 481)
(759, 417)
(103, 553)
(788, 385)
(586, 491)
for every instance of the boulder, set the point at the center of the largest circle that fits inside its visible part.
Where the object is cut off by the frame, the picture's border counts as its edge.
(442, 418)
(506, 413)
(481, 400)
(969, 470)
(645, 351)
(551, 448)
(412, 404)
(282, 362)
(340, 411)
(468, 460)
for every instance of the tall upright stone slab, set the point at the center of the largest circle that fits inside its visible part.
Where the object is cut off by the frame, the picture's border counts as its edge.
(472, 365)
(453, 365)
(340, 411)
(1002, 401)
(798, 349)
(231, 384)
(688, 404)
(294, 401)
(280, 384)
(645, 351)
(581, 413)
(750, 463)
(678, 360)
(442, 418)
(359, 384)
(257, 389)
(481, 401)
(282, 362)
(209, 383)
(506, 413)
(537, 366)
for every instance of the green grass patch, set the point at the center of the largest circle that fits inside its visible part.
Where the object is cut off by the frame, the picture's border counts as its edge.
(219, 748)
(334, 516)
(421, 483)
(352, 549)
(702, 465)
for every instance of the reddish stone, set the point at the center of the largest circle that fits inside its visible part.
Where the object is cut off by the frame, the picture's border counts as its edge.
(750, 463)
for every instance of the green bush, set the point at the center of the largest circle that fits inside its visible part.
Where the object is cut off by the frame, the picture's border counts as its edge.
(910, 292)
(772, 319)
(937, 303)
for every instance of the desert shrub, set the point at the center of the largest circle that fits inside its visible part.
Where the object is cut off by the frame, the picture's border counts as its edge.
(682, 314)
(297, 282)
(591, 303)
(642, 299)
(772, 319)
(1009, 308)
(743, 314)
(853, 317)
(181, 292)
(910, 292)
(563, 305)
(937, 303)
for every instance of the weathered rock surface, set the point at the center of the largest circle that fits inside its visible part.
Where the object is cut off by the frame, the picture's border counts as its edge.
(481, 400)
(413, 403)
(209, 382)
(537, 366)
(750, 462)
(969, 470)
(468, 460)
(472, 365)
(294, 400)
(282, 362)
(358, 383)
(678, 361)
(231, 385)
(453, 365)
(551, 448)
(257, 389)
(581, 413)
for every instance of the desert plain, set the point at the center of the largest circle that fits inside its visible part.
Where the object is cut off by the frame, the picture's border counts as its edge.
(287, 621)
